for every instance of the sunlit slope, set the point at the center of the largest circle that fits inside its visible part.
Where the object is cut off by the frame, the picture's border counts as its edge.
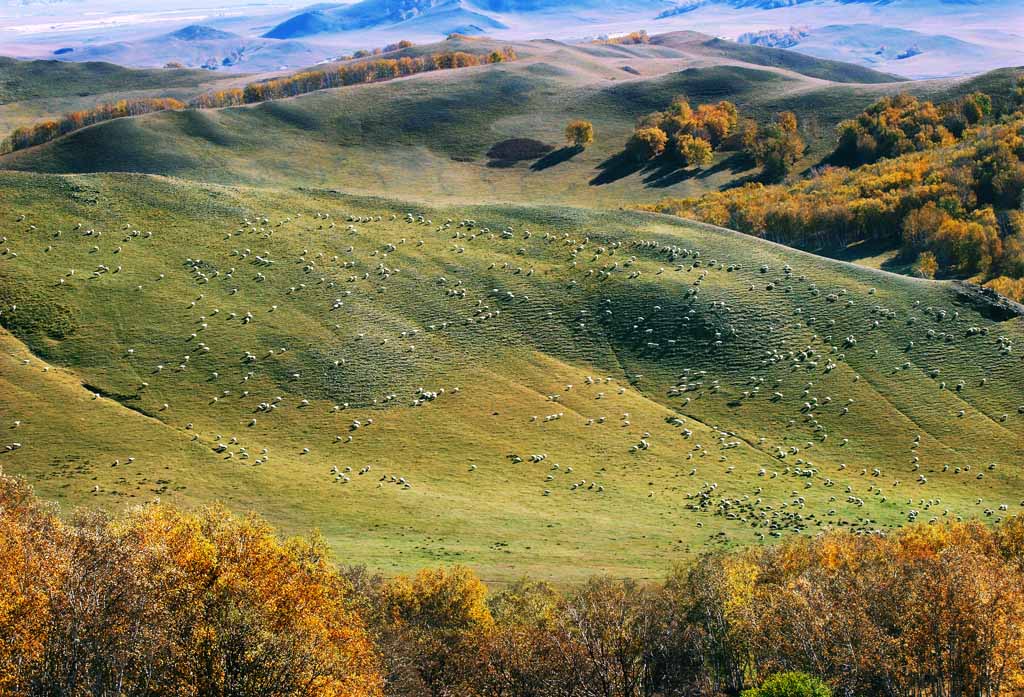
(38, 89)
(642, 352)
(427, 137)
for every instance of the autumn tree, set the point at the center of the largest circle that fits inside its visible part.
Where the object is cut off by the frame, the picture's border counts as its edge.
(619, 639)
(31, 563)
(163, 602)
(694, 152)
(523, 654)
(779, 147)
(901, 124)
(647, 143)
(926, 265)
(579, 133)
(440, 619)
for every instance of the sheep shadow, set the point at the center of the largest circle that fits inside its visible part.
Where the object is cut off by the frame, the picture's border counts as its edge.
(556, 158)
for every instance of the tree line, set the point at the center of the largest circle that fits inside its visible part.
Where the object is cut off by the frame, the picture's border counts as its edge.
(160, 601)
(362, 72)
(950, 199)
(902, 124)
(44, 131)
(377, 70)
(690, 136)
(633, 38)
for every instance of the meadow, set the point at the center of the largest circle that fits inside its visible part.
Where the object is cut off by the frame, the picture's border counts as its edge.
(426, 138)
(533, 389)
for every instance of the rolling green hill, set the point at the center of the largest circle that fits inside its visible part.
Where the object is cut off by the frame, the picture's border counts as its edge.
(427, 137)
(38, 89)
(834, 71)
(694, 386)
(21, 80)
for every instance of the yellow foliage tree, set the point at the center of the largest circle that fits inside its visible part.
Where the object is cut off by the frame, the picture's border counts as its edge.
(579, 133)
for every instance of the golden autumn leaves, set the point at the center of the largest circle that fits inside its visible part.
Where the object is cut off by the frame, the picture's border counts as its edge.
(948, 202)
(163, 602)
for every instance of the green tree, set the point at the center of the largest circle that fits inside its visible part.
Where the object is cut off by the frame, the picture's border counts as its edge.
(793, 684)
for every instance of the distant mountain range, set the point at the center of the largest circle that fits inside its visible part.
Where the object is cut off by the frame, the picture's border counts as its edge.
(911, 38)
(442, 16)
(198, 46)
(446, 15)
(889, 49)
(691, 5)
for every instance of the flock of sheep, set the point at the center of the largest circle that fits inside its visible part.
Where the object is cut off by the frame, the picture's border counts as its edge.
(340, 267)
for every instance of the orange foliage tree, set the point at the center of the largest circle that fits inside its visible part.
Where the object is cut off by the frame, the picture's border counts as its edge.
(163, 602)
(957, 203)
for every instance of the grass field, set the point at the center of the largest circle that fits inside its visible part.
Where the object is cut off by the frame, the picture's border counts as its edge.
(34, 90)
(426, 138)
(143, 372)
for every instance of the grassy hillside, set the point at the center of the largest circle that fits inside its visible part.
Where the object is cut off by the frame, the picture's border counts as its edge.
(33, 90)
(21, 80)
(834, 71)
(440, 127)
(642, 352)
(426, 137)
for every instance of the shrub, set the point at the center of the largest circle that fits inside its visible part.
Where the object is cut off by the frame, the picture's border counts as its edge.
(793, 684)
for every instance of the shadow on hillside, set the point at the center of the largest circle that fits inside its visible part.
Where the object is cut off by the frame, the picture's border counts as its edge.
(556, 158)
(882, 253)
(615, 168)
(737, 162)
(665, 171)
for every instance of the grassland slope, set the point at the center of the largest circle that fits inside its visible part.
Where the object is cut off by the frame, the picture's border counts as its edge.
(529, 389)
(38, 89)
(427, 137)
